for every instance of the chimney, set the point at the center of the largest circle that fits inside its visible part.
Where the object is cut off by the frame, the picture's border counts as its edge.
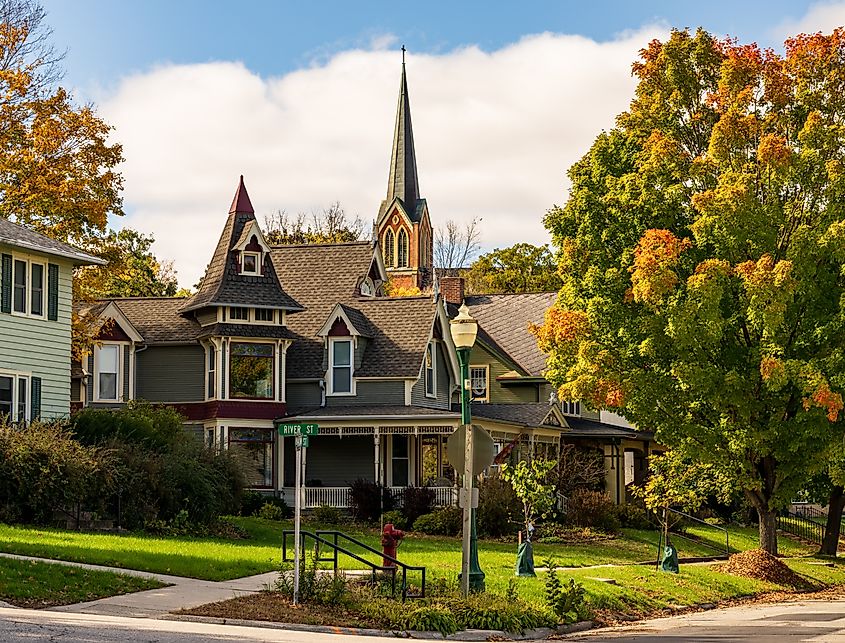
(452, 289)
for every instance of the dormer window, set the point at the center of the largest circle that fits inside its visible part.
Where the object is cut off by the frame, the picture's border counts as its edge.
(238, 313)
(570, 407)
(340, 366)
(250, 262)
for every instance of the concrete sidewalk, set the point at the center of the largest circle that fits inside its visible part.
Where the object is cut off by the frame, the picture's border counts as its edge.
(181, 593)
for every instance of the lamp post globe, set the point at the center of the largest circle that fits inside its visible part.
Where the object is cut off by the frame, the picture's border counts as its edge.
(463, 329)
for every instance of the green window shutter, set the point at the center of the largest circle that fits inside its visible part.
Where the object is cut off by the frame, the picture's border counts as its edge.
(6, 284)
(35, 401)
(52, 292)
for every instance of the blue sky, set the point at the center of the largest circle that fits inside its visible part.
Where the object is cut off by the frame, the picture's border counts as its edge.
(300, 98)
(107, 39)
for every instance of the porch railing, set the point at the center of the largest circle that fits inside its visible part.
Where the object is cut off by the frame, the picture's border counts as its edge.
(339, 496)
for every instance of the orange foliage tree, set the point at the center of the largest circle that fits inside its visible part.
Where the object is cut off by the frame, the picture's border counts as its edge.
(702, 251)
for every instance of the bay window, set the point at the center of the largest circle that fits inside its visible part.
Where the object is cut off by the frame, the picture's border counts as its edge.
(251, 367)
(340, 366)
(253, 449)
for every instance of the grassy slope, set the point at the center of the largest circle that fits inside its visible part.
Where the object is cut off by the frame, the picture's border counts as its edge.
(31, 584)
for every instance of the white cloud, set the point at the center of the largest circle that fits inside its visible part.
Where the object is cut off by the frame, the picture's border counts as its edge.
(495, 133)
(823, 16)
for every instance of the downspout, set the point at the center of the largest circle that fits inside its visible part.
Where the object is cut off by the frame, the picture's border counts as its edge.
(322, 393)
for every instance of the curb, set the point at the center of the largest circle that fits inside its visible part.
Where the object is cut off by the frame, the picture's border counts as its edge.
(464, 635)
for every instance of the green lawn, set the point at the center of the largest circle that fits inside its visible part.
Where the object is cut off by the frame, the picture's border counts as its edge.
(215, 559)
(32, 584)
(639, 589)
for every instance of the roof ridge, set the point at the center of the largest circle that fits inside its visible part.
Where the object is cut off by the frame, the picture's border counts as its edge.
(320, 245)
(512, 294)
(145, 298)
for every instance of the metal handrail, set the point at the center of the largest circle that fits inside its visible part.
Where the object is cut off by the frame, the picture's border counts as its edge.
(801, 526)
(336, 549)
(687, 516)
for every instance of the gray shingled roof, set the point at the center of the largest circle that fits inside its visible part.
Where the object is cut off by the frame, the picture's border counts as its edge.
(528, 414)
(223, 284)
(584, 428)
(18, 236)
(158, 319)
(322, 276)
(505, 319)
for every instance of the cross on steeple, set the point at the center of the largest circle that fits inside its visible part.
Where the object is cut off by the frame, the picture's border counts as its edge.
(403, 54)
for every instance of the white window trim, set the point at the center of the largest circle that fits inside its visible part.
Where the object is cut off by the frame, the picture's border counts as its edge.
(119, 379)
(228, 358)
(209, 371)
(571, 408)
(226, 316)
(258, 262)
(254, 318)
(432, 347)
(486, 397)
(16, 377)
(29, 261)
(330, 373)
(238, 320)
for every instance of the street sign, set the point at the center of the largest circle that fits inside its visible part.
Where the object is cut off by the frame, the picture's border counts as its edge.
(299, 429)
(483, 449)
(302, 441)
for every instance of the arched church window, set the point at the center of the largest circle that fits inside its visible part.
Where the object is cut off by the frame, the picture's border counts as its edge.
(402, 249)
(388, 249)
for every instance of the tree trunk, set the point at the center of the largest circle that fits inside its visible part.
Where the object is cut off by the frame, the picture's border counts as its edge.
(830, 542)
(767, 523)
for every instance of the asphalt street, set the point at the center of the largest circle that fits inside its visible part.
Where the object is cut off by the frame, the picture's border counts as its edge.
(816, 621)
(811, 621)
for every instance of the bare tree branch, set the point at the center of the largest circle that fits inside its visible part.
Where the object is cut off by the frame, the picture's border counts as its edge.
(455, 246)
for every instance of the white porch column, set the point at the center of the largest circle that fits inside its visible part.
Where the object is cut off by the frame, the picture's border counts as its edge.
(377, 454)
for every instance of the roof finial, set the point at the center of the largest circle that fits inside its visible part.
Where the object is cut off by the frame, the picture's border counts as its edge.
(403, 54)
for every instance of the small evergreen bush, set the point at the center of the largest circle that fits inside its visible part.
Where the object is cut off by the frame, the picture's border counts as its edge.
(445, 521)
(499, 510)
(565, 600)
(417, 501)
(328, 515)
(270, 511)
(397, 518)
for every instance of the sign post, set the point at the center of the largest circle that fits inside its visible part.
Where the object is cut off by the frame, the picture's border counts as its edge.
(301, 433)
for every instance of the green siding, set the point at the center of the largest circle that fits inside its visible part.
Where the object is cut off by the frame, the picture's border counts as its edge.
(41, 346)
(443, 385)
(300, 395)
(338, 461)
(369, 392)
(500, 394)
(170, 373)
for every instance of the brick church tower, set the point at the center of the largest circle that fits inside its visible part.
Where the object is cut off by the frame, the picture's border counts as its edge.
(403, 226)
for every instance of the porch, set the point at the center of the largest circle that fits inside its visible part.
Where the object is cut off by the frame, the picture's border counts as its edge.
(339, 496)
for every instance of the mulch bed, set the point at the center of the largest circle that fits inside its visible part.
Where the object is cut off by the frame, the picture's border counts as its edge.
(272, 606)
(761, 565)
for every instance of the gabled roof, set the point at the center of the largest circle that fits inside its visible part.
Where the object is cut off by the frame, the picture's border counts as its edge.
(355, 321)
(583, 428)
(18, 236)
(527, 415)
(223, 284)
(322, 276)
(156, 319)
(504, 320)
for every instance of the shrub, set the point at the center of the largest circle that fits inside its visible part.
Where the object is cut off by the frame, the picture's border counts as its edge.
(566, 601)
(270, 511)
(634, 516)
(592, 509)
(43, 469)
(431, 618)
(139, 422)
(490, 611)
(252, 501)
(445, 521)
(315, 586)
(396, 517)
(328, 515)
(499, 510)
(417, 501)
(368, 500)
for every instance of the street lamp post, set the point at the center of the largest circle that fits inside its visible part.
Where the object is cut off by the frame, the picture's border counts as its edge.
(463, 330)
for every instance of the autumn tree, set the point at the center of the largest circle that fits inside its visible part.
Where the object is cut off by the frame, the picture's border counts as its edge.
(328, 225)
(518, 269)
(57, 169)
(702, 252)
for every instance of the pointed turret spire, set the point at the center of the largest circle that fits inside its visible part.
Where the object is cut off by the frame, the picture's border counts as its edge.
(241, 202)
(403, 161)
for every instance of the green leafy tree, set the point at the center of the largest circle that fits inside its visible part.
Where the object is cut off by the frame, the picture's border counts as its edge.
(533, 484)
(132, 269)
(518, 269)
(702, 251)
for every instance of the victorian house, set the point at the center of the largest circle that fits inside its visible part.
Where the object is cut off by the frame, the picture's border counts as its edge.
(304, 333)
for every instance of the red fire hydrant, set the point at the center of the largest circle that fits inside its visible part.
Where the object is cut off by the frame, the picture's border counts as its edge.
(390, 539)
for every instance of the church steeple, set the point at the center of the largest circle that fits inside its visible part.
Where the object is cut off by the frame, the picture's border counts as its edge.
(403, 226)
(403, 181)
